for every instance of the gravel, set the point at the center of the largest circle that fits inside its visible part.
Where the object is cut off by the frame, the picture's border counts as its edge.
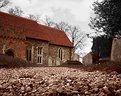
(58, 81)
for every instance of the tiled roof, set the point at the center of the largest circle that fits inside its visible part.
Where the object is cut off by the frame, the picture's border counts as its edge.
(28, 28)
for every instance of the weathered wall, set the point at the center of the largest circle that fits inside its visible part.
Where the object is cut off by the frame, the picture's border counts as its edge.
(12, 43)
(88, 59)
(50, 52)
(116, 50)
(54, 55)
(35, 44)
(76, 57)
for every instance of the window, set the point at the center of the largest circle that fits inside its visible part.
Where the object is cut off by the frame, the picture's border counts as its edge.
(29, 54)
(39, 50)
(60, 54)
(39, 55)
(9, 52)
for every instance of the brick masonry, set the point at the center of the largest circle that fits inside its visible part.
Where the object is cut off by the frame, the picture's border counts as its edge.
(50, 52)
(23, 36)
(17, 45)
(35, 44)
(54, 55)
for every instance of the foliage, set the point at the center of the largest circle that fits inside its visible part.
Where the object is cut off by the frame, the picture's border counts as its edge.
(108, 17)
(102, 46)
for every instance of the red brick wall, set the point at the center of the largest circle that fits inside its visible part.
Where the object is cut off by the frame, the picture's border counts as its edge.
(17, 45)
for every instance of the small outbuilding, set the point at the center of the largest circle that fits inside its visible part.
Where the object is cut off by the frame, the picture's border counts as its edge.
(90, 58)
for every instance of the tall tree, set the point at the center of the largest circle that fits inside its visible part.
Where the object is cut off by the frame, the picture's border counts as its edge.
(77, 37)
(62, 26)
(108, 17)
(74, 33)
(16, 11)
(4, 3)
(102, 46)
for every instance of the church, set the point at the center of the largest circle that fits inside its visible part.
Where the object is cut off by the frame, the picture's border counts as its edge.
(26, 39)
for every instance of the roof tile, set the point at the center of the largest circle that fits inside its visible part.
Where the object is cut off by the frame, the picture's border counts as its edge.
(25, 27)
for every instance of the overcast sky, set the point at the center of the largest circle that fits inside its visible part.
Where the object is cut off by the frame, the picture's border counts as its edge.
(75, 12)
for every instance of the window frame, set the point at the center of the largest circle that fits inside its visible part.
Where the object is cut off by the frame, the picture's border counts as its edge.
(60, 54)
(29, 54)
(39, 55)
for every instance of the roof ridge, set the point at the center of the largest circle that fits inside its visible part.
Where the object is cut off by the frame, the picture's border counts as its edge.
(49, 27)
(37, 30)
(17, 16)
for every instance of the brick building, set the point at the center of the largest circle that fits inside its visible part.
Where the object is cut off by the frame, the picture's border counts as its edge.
(26, 39)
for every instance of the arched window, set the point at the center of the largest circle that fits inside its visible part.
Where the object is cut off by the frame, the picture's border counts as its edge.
(60, 54)
(29, 54)
(9, 52)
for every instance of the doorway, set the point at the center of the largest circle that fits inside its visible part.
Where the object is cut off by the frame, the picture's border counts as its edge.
(9, 52)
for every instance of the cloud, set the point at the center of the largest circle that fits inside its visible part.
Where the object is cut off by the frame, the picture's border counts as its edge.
(75, 12)
(60, 14)
(80, 8)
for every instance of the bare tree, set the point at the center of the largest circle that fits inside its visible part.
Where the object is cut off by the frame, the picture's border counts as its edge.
(16, 11)
(47, 21)
(34, 17)
(4, 3)
(62, 26)
(74, 33)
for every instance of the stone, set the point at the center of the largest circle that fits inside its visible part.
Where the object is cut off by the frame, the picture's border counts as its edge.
(28, 88)
(9, 87)
(114, 73)
(60, 89)
(69, 80)
(95, 90)
(86, 92)
(75, 92)
(33, 91)
(102, 94)
(1, 86)
(100, 84)
(22, 88)
(5, 94)
(106, 90)
(79, 85)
